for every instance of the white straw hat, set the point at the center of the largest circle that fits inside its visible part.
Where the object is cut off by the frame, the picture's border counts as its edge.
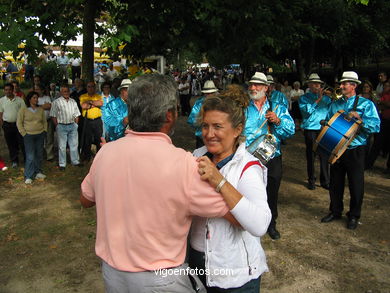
(260, 78)
(314, 77)
(270, 79)
(124, 83)
(350, 76)
(209, 87)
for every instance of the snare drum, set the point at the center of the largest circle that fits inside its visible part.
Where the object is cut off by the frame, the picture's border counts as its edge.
(263, 148)
(336, 135)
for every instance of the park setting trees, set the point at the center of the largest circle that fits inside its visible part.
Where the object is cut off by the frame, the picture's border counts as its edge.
(340, 33)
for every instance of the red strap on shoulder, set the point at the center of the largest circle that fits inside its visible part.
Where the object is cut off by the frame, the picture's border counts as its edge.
(248, 165)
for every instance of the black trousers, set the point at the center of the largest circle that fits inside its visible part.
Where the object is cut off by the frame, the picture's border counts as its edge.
(274, 178)
(76, 72)
(92, 134)
(14, 141)
(185, 105)
(310, 138)
(351, 164)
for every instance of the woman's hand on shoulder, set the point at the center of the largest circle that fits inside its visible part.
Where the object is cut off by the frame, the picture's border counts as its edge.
(208, 171)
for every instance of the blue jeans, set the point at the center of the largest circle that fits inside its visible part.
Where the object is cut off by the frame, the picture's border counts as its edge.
(33, 144)
(67, 134)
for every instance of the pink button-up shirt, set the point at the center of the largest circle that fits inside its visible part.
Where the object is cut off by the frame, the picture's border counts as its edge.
(146, 191)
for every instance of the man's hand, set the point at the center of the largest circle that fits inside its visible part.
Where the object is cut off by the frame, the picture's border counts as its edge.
(354, 114)
(319, 96)
(271, 117)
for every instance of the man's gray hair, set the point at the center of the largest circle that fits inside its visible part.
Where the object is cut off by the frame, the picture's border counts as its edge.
(150, 96)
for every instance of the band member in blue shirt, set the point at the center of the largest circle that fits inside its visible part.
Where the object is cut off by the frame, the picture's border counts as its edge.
(265, 117)
(351, 163)
(314, 107)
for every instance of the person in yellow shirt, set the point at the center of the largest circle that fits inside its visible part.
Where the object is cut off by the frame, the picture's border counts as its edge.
(91, 102)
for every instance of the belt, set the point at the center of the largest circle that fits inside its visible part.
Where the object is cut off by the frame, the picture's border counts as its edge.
(6, 122)
(66, 123)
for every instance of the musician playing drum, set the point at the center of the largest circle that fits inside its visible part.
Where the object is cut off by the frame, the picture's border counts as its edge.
(314, 107)
(352, 161)
(263, 118)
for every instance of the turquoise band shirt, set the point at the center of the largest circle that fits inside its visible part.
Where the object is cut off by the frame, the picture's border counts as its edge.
(255, 118)
(313, 113)
(192, 118)
(278, 98)
(114, 113)
(367, 112)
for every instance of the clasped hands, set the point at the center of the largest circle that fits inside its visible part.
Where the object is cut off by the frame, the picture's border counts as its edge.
(208, 171)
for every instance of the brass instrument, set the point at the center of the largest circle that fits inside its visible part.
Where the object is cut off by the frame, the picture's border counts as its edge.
(334, 94)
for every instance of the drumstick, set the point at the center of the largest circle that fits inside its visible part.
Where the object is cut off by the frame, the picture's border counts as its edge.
(266, 119)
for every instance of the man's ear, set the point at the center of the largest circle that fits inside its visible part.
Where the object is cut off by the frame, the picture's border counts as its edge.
(170, 116)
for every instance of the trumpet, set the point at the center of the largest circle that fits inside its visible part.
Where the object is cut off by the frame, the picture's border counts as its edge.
(333, 93)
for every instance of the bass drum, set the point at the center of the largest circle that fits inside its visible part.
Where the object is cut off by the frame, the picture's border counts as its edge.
(336, 135)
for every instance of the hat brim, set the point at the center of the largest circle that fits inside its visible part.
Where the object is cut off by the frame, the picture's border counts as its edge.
(315, 80)
(124, 86)
(209, 91)
(259, 81)
(350, 79)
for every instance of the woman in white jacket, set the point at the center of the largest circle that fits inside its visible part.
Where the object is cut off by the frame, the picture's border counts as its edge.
(227, 252)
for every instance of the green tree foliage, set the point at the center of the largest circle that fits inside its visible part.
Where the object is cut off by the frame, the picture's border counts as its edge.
(228, 31)
(36, 23)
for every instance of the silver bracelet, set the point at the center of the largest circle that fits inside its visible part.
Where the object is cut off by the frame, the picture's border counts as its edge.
(221, 183)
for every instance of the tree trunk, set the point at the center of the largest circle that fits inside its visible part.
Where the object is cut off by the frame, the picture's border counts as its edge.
(300, 66)
(310, 56)
(90, 9)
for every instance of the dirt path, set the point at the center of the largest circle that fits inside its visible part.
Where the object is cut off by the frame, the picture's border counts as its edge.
(47, 239)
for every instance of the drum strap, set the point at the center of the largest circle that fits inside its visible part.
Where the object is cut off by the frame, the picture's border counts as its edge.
(355, 102)
(270, 109)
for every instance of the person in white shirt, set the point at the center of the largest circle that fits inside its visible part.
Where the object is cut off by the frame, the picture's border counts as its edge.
(63, 63)
(51, 57)
(382, 77)
(184, 92)
(44, 102)
(75, 64)
(111, 73)
(65, 115)
(230, 248)
(295, 94)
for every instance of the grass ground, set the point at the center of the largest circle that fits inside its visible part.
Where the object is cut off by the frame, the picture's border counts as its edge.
(47, 239)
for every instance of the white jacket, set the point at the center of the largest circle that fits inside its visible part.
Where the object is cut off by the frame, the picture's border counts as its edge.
(234, 256)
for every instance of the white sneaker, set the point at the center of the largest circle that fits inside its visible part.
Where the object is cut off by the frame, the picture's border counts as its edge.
(40, 176)
(4, 168)
(28, 181)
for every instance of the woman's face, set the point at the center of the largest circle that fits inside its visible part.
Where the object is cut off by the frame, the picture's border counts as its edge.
(219, 136)
(366, 88)
(34, 100)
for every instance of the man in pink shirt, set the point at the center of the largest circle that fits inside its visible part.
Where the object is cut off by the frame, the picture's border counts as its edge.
(146, 203)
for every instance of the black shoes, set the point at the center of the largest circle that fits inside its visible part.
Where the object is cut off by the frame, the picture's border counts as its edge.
(325, 186)
(311, 186)
(61, 168)
(273, 233)
(352, 223)
(330, 217)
